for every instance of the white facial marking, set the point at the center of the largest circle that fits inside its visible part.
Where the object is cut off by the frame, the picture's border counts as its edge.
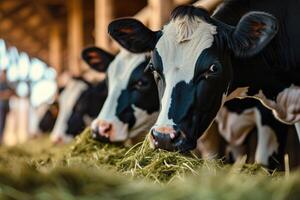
(67, 101)
(119, 73)
(181, 44)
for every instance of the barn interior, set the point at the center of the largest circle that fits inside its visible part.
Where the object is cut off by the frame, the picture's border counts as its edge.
(55, 32)
(40, 49)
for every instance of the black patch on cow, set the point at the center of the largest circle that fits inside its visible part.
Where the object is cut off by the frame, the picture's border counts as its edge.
(240, 105)
(156, 60)
(190, 11)
(88, 104)
(133, 35)
(97, 58)
(143, 96)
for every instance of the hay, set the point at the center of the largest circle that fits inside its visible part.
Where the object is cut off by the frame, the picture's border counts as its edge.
(86, 169)
(140, 161)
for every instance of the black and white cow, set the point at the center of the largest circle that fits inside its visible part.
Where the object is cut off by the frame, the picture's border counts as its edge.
(81, 100)
(239, 117)
(199, 62)
(132, 105)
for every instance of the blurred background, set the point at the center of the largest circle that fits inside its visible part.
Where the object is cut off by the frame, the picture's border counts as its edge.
(41, 42)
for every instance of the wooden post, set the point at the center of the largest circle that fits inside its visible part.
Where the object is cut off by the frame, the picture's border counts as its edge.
(55, 48)
(160, 12)
(75, 36)
(103, 15)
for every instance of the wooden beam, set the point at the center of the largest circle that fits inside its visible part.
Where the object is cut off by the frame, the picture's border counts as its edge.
(144, 15)
(209, 5)
(160, 12)
(55, 47)
(103, 15)
(20, 23)
(43, 11)
(7, 14)
(75, 36)
(182, 2)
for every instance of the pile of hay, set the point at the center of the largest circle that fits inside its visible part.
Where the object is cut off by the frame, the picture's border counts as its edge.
(139, 161)
(87, 169)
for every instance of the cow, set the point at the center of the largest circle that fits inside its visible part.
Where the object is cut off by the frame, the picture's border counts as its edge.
(132, 104)
(49, 115)
(238, 118)
(248, 48)
(81, 100)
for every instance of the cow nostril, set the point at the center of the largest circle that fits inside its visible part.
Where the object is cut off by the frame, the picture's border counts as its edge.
(175, 135)
(109, 127)
(105, 128)
(154, 134)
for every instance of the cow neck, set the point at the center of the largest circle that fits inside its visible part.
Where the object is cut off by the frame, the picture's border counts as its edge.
(254, 75)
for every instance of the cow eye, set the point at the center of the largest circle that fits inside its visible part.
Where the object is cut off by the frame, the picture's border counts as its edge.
(140, 84)
(213, 68)
(150, 67)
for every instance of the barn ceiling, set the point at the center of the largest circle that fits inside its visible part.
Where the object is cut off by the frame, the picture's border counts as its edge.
(26, 23)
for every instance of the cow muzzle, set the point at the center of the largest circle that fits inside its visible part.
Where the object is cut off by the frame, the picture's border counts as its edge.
(102, 131)
(167, 138)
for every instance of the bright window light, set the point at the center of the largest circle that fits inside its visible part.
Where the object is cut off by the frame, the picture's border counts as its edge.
(40, 95)
(32, 77)
(37, 69)
(22, 89)
(24, 66)
(3, 55)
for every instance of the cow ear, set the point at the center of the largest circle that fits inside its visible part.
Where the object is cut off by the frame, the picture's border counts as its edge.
(133, 35)
(97, 58)
(253, 32)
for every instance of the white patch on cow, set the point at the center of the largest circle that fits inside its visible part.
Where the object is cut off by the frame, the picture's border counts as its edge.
(36, 115)
(183, 41)
(235, 127)
(67, 101)
(119, 73)
(266, 141)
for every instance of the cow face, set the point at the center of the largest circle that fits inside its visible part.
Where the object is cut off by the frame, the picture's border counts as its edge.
(81, 100)
(86, 108)
(132, 104)
(191, 64)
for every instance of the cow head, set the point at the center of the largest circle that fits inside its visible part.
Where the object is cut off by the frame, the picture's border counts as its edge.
(81, 100)
(191, 64)
(132, 104)
(86, 108)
